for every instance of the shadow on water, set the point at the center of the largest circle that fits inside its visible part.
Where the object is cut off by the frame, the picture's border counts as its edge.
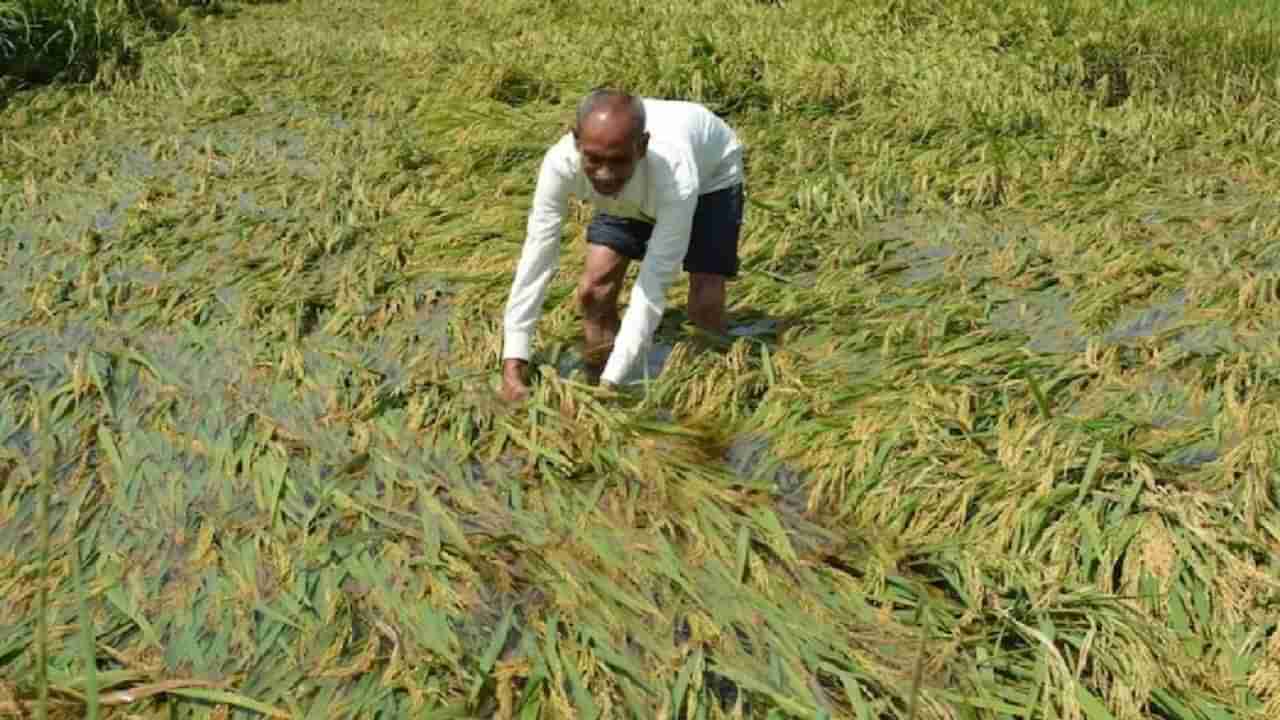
(743, 323)
(569, 362)
(764, 326)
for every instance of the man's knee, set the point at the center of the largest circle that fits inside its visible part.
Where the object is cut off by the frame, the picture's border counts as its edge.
(597, 295)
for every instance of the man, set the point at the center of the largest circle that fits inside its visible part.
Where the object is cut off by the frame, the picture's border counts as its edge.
(666, 180)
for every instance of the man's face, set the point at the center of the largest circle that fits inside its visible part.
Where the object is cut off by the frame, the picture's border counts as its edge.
(610, 152)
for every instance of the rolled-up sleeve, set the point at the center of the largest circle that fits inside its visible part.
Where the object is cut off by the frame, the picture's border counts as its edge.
(540, 258)
(667, 247)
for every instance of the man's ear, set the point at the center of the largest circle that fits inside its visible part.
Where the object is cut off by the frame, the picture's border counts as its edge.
(642, 144)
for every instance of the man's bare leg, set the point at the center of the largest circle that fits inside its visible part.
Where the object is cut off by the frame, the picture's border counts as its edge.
(707, 302)
(598, 299)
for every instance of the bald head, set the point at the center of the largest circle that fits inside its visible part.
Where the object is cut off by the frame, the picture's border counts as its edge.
(611, 111)
(610, 135)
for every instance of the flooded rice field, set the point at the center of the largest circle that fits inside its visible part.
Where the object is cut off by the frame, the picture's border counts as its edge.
(990, 434)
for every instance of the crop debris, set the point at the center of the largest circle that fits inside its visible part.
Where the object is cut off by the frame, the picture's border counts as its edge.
(992, 435)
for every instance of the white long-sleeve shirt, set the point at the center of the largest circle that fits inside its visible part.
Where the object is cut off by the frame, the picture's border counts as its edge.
(691, 152)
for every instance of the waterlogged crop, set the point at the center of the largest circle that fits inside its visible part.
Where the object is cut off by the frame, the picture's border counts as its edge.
(992, 435)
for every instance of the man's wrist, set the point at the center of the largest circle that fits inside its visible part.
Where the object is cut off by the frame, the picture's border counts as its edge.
(516, 345)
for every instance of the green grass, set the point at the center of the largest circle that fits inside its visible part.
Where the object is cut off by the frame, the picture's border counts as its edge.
(1019, 408)
(43, 41)
(1231, 9)
(86, 41)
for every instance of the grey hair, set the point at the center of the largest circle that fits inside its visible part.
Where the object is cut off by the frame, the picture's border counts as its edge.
(602, 97)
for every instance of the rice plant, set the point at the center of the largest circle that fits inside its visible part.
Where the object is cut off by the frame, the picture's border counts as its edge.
(992, 434)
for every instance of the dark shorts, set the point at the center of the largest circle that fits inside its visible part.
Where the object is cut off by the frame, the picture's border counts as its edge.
(713, 241)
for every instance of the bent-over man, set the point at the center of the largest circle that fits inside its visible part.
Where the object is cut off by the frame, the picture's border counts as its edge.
(666, 180)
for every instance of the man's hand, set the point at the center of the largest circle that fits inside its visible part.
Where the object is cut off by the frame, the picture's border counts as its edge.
(514, 388)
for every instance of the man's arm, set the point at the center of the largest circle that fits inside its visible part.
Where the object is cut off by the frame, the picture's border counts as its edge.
(667, 247)
(540, 257)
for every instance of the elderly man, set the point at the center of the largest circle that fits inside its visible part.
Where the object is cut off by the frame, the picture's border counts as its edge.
(666, 180)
